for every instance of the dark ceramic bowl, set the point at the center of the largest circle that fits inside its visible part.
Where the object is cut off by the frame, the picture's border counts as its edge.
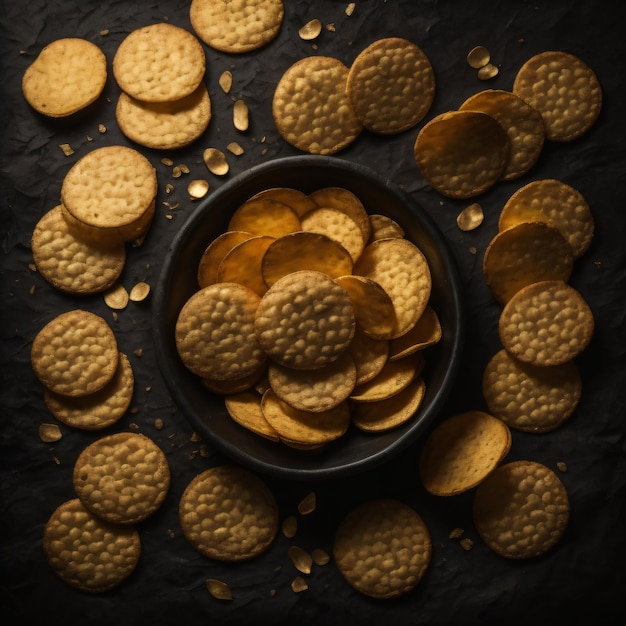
(355, 451)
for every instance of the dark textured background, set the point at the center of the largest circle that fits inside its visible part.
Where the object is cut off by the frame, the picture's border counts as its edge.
(584, 574)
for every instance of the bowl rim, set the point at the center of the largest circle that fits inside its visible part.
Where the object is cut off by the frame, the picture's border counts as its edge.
(160, 334)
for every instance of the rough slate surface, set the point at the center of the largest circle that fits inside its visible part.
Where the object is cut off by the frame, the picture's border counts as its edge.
(585, 575)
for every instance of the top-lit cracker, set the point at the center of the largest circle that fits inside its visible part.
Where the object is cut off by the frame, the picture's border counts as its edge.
(391, 85)
(68, 75)
(346, 201)
(564, 90)
(236, 27)
(159, 63)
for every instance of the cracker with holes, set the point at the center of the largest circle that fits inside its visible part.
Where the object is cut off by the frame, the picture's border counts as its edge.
(345, 201)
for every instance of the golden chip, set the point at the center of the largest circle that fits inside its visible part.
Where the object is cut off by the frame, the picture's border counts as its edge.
(245, 409)
(242, 264)
(265, 217)
(117, 297)
(310, 30)
(215, 252)
(426, 332)
(299, 201)
(478, 57)
(471, 217)
(240, 115)
(215, 160)
(383, 227)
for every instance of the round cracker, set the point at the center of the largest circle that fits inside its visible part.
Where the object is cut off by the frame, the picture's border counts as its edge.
(366, 548)
(337, 226)
(75, 354)
(311, 109)
(68, 75)
(346, 201)
(526, 253)
(122, 478)
(159, 63)
(530, 398)
(564, 90)
(546, 323)
(462, 451)
(391, 85)
(229, 514)
(86, 552)
(521, 510)
(462, 154)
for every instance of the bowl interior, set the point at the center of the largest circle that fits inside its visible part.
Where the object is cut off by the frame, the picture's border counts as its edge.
(355, 451)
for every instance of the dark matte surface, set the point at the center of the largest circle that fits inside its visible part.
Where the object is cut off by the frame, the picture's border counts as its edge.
(584, 576)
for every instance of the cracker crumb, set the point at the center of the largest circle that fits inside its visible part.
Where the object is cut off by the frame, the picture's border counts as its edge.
(562, 466)
(457, 533)
(67, 149)
(466, 543)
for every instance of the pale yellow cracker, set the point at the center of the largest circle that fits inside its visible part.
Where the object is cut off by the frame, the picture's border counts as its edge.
(461, 451)
(391, 85)
(215, 334)
(526, 253)
(564, 89)
(369, 355)
(68, 75)
(245, 409)
(311, 109)
(523, 124)
(546, 323)
(521, 510)
(367, 549)
(236, 27)
(556, 203)
(530, 398)
(228, 513)
(75, 354)
(88, 553)
(122, 478)
(462, 154)
(72, 264)
(164, 125)
(337, 226)
(159, 63)
(100, 409)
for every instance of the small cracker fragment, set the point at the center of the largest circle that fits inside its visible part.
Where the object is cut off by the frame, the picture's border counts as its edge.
(546, 323)
(461, 451)
(229, 514)
(521, 510)
(564, 90)
(366, 550)
(122, 478)
(49, 433)
(68, 75)
(391, 85)
(219, 589)
(530, 398)
(86, 552)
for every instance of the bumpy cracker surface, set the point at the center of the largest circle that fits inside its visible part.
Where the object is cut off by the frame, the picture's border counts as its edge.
(87, 552)
(366, 548)
(236, 27)
(311, 109)
(75, 354)
(73, 264)
(159, 63)
(228, 513)
(529, 398)
(122, 478)
(546, 323)
(68, 75)
(521, 510)
(564, 90)
(391, 85)
(337, 226)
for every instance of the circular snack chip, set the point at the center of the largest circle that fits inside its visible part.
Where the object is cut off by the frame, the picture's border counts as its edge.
(462, 154)
(426, 332)
(122, 478)
(526, 253)
(311, 109)
(556, 203)
(68, 75)
(521, 510)
(391, 85)
(245, 409)
(336, 225)
(369, 355)
(75, 354)
(523, 124)
(530, 398)
(215, 334)
(299, 201)
(461, 451)
(159, 63)
(305, 320)
(383, 227)
(564, 90)
(72, 264)
(265, 216)
(366, 548)
(243, 264)
(546, 323)
(229, 514)
(236, 27)
(164, 125)
(215, 252)
(99, 409)
(86, 552)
